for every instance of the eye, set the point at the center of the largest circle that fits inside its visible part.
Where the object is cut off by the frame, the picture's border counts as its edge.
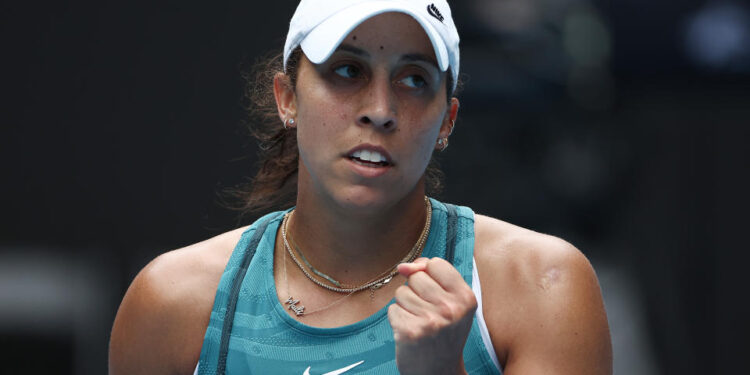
(347, 71)
(414, 81)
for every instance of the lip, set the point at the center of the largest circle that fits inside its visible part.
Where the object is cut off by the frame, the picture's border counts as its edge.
(369, 147)
(366, 170)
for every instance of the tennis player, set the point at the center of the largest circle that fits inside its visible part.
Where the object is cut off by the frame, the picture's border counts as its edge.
(364, 274)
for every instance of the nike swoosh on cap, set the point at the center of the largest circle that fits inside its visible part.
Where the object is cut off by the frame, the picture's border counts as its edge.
(336, 372)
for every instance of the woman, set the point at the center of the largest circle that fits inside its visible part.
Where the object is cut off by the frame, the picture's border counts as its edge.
(365, 274)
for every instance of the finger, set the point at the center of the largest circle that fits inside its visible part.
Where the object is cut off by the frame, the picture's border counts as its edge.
(446, 275)
(415, 266)
(400, 320)
(422, 260)
(407, 269)
(411, 302)
(426, 288)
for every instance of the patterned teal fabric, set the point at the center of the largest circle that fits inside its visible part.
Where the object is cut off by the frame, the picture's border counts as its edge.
(264, 339)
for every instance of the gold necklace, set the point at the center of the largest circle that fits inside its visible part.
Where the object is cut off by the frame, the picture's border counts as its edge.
(300, 310)
(380, 280)
(408, 258)
(374, 284)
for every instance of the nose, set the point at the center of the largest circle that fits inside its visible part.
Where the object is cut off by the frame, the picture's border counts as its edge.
(379, 105)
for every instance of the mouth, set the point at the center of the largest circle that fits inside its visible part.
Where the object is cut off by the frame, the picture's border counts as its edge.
(370, 156)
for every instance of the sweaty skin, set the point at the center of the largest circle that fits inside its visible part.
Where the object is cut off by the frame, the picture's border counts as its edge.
(541, 298)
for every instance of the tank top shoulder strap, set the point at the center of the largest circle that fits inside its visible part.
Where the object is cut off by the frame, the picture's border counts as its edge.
(459, 251)
(457, 224)
(216, 341)
(450, 233)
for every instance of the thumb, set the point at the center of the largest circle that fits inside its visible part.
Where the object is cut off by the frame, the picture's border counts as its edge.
(408, 269)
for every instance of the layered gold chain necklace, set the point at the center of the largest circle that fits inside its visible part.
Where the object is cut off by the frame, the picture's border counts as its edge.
(332, 284)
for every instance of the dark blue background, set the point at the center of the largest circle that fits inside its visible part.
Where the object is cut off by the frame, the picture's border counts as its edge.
(121, 123)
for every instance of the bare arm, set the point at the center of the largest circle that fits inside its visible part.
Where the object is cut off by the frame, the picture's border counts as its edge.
(143, 328)
(544, 307)
(568, 332)
(163, 317)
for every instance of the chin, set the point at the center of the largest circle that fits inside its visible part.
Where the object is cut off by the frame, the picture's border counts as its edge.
(357, 197)
(367, 200)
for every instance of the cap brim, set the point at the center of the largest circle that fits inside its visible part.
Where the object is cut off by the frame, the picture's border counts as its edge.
(323, 40)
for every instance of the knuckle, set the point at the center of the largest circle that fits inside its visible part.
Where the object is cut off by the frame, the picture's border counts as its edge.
(392, 311)
(447, 310)
(465, 295)
(469, 299)
(433, 324)
(472, 300)
(393, 308)
(413, 334)
(400, 292)
(408, 334)
(416, 278)
(434, 262)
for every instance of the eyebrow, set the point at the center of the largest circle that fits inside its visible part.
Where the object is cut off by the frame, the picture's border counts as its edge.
(354, 50)
(409, 57)
(418, 57)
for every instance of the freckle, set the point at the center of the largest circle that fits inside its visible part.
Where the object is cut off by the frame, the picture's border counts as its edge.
(381, 47)
(354, 37)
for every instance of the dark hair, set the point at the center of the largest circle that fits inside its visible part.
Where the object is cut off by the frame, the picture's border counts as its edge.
(275, 184)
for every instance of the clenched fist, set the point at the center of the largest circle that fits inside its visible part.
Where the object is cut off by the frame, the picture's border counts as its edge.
(431, 318)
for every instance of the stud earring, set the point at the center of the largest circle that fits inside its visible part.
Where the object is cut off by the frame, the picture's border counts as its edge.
(442, 143)
(288, 123)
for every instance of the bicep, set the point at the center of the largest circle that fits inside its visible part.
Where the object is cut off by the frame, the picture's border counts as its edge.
(564, 327)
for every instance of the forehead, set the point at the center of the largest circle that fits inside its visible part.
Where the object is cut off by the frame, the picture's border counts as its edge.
(391, 32)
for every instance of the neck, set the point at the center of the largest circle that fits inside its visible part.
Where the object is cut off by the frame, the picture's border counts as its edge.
(353, 244)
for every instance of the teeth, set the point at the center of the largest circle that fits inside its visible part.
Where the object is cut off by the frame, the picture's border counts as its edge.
(368, 155)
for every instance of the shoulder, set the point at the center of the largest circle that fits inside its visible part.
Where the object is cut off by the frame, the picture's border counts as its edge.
(532, 267)
(541, 299)
(525, 253)
(161, 321)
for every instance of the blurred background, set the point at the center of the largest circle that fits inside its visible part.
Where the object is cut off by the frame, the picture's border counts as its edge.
(620, 125)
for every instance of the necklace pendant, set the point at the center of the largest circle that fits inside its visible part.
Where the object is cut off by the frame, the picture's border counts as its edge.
(298, 310)
(381, 284)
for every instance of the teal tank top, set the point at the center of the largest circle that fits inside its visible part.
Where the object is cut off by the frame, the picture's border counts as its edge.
(249, 331)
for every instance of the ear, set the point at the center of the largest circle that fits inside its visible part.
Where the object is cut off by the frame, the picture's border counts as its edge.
(450, 119)
(286, 100)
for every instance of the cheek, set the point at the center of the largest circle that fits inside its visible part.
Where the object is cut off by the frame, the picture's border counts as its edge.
(319, 134)
(425, 123)
(320, 109)
(423, 140)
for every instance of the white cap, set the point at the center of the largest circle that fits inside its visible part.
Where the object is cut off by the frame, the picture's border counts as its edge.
(319, 26)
